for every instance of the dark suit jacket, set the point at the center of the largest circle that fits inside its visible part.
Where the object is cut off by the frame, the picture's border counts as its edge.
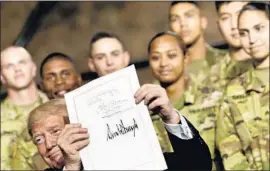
(190, 154)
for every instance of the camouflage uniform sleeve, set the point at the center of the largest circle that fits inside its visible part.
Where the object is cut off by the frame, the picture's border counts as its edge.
(7, 140)
(162, 135)
(7, 150)
(160, 130)
(23, 155)
(12, 126)
(228, 142)
(264, 140)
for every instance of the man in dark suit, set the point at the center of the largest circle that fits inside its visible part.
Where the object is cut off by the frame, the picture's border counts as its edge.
(59, 142)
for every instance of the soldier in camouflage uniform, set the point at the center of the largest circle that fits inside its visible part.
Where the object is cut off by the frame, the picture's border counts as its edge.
(200, 106)
(198, 71)
(17, 148)
(186, 20)
(236, 61)
(108, 54)
(224, 71)
(17, 73)
(243, 123)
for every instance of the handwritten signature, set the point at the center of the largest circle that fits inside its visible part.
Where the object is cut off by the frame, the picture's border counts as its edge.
(121, 130)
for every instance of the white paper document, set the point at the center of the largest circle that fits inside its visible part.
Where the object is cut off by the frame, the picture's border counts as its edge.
(122, 136)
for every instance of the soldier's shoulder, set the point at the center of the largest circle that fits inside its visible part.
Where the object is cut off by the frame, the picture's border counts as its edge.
(210, 96)
(226, 60)
(7, 110)
(214, 55)
(43, 96)
(236, 86)
(240, 80)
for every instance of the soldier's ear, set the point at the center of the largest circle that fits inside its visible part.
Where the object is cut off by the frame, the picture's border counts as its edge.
(91, 65)
(3, 80)
(34, 69)
(218, 26)
(126, 58)
(41, 85)
(79, 79)
(204, 22)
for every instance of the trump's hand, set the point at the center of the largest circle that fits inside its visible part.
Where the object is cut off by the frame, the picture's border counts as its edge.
(157, 101)
(72, 139)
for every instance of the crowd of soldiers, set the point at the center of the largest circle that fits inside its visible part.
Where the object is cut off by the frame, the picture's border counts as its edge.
(223, 93)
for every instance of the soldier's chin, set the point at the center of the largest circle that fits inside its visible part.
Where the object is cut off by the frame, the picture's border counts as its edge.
(188, 41)
(166, 82)
(19, 86)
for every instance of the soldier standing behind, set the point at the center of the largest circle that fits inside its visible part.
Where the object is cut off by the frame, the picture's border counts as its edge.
(59, 75)
(236, 61)
(243, 124)
(186, 19)
(17, 73)
(199, 106)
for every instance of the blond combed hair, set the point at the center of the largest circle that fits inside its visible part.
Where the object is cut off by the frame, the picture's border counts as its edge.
(52, 107)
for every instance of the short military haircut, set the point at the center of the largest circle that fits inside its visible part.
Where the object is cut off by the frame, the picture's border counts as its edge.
(54, 55)
(18, 49)
(256, 6)
(218, 4)
(192, 2)
(179, 40)
(102, 35)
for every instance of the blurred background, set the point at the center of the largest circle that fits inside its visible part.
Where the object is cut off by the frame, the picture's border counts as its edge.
(67, 27)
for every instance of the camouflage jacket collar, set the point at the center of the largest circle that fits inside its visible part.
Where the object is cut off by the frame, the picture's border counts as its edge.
(188, 98)
(204, 96)
(254, 83)
(42, 99)
(213, 55)
(236, 68)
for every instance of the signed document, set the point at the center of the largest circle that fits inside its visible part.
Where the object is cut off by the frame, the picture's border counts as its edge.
(122, 136)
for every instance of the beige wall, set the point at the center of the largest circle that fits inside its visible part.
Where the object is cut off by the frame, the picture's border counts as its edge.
(134, 22)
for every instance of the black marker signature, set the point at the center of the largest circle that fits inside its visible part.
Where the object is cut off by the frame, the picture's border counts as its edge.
(121, 130)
